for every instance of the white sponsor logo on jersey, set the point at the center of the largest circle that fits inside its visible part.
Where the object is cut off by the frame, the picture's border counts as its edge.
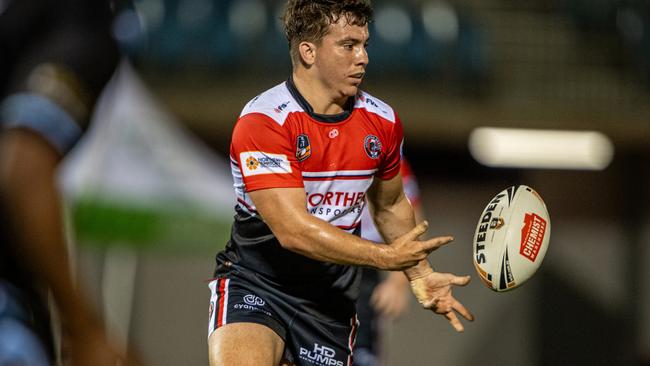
(259, 162)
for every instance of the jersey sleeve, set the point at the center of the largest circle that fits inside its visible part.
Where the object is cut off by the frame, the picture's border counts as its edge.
(411, 188)
(264, 153)
(391, 162)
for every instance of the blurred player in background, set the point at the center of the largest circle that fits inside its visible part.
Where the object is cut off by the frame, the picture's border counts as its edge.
(25, 337)
(381, 300)
(305, 155)
(56, 58)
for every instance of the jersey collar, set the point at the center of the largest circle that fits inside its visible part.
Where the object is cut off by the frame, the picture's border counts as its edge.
(327, 118)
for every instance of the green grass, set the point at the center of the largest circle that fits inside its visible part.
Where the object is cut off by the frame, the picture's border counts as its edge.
(167, 227)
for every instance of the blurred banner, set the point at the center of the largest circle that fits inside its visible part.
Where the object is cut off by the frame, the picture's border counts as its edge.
(140, 180)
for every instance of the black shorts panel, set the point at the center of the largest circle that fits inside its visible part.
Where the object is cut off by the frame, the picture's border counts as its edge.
(234, 300)
(311, 337)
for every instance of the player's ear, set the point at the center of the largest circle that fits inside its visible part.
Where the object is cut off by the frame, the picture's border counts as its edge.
(307, 52)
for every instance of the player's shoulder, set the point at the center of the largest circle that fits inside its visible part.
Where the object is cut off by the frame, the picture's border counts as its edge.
(376, 106)
(275, 103)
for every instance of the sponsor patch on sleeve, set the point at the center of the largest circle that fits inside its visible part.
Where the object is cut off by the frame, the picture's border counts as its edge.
(259, 162)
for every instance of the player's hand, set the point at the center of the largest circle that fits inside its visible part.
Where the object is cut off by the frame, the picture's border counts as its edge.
(407, 251)
(433, 292)
(391, 297)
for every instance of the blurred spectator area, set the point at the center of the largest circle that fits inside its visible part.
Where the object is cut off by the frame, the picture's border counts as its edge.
(446, 66)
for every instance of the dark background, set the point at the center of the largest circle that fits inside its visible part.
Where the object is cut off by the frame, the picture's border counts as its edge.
(447, 67)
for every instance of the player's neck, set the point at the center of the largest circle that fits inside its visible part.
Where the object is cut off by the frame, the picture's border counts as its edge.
(318, 96)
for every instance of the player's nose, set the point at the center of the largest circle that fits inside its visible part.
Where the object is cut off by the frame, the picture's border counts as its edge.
(362, 57)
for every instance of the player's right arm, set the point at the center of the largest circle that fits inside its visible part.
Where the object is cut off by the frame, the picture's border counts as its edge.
(284, 211)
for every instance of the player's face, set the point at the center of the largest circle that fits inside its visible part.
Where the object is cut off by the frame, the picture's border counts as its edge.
(341, 58)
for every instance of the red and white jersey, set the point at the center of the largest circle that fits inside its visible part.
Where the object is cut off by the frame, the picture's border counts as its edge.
(278, 142)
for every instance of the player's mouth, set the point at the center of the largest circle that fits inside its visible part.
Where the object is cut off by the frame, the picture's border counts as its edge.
(358, 77)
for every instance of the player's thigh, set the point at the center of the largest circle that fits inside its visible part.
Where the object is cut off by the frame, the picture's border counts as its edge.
(245, 344)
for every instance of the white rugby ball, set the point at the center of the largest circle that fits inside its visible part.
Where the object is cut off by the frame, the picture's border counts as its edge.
(511, 238)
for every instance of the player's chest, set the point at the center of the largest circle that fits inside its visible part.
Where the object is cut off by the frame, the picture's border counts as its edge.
(346, 146)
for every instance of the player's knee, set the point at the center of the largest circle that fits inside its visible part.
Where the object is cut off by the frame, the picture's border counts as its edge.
(244, 344)
(213, 351)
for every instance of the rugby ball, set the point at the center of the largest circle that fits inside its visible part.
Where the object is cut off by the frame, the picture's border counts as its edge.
(511, 238)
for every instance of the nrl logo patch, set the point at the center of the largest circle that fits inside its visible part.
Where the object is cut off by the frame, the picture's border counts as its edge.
(303, 147)
(372, 145)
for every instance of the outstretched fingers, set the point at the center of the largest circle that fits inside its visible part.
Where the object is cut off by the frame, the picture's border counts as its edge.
(460, 280)
(435, 243)
(453, 319)
(418, 230)
(456, 305)
(449, 313)
(462, 310)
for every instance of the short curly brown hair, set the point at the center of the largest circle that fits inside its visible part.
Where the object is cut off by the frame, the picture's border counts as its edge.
(308, 20)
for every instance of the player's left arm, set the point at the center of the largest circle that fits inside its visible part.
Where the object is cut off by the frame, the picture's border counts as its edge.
(391, 296)
(394, 216)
